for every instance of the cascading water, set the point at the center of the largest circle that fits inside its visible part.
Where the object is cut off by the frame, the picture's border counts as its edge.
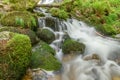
(81, 68)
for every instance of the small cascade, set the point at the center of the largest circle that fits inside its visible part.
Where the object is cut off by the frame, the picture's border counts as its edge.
(99, 61)
(58, 28)
(84, 67)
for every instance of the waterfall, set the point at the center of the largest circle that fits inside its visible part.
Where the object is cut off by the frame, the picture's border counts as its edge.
(81, 68)
(107, 50)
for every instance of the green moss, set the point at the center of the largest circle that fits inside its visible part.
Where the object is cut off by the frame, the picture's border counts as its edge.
(42, 57)
(46, 35)
(26, 4)
(71, 46)
(60, 13)
(98, 13)
(19, 19)
(15, 58)
(31, 34)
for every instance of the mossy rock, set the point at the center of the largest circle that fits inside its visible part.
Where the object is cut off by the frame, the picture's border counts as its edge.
(60, 13)
(42, 57)
(26, 4)
(51, 22)
(31, 34)
(46, 35)
(22, 19)
(14, 55)
(71, 46)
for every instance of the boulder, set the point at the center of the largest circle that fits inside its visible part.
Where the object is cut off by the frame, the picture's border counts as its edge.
(21, 19)
(43, 57)
(15, 52)
(46, 35)
(31, 34)
(71, 46)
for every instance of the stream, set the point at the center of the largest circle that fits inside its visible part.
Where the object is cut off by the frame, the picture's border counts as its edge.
(100, 60)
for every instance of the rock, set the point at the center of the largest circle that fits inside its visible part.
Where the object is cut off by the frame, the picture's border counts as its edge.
(14, 55)
(51, 22)
(43, 57)
(21, 19)
(92, 57)
(71, 46)
(46, 35)
(116, 78)
(27, 32)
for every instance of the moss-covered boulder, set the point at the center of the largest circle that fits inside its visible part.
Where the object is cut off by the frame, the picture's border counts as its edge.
(21, 4)
(42, 57)
(15, 52)
(22, 19)
(71, 46)
(51, 22)
(46, 35)
(31, 34)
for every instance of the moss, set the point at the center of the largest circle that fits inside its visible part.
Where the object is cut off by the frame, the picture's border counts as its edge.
(71, 46)
(31, 34)
(98, 13)
(19, 19)
(46, 35)
(26, 4)
(15, 58)
(42, 57)
(60, 13)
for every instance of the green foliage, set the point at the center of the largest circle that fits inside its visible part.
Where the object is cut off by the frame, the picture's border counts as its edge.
(19, 22)
(42, 57)
(108, 29)
(71, 46)
(15, 58)
(99, 13)
(60, 13)
(19, 19)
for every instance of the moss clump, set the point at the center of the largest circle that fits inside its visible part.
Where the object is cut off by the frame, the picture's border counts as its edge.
(31, 34)
(19, 19)
(46, 35)
(15, 56)
(42, 57)
(26, 4)
(60, 13)
(71, 46)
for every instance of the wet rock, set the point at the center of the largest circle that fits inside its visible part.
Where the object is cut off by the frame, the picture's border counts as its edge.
(51, 22)
(116, 78)
(91, 57)
(15, 51)
(46, 35)
(71, 46)
(43, 57)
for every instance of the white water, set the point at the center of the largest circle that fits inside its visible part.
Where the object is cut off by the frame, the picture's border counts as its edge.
(48, 1)
(80, 69)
